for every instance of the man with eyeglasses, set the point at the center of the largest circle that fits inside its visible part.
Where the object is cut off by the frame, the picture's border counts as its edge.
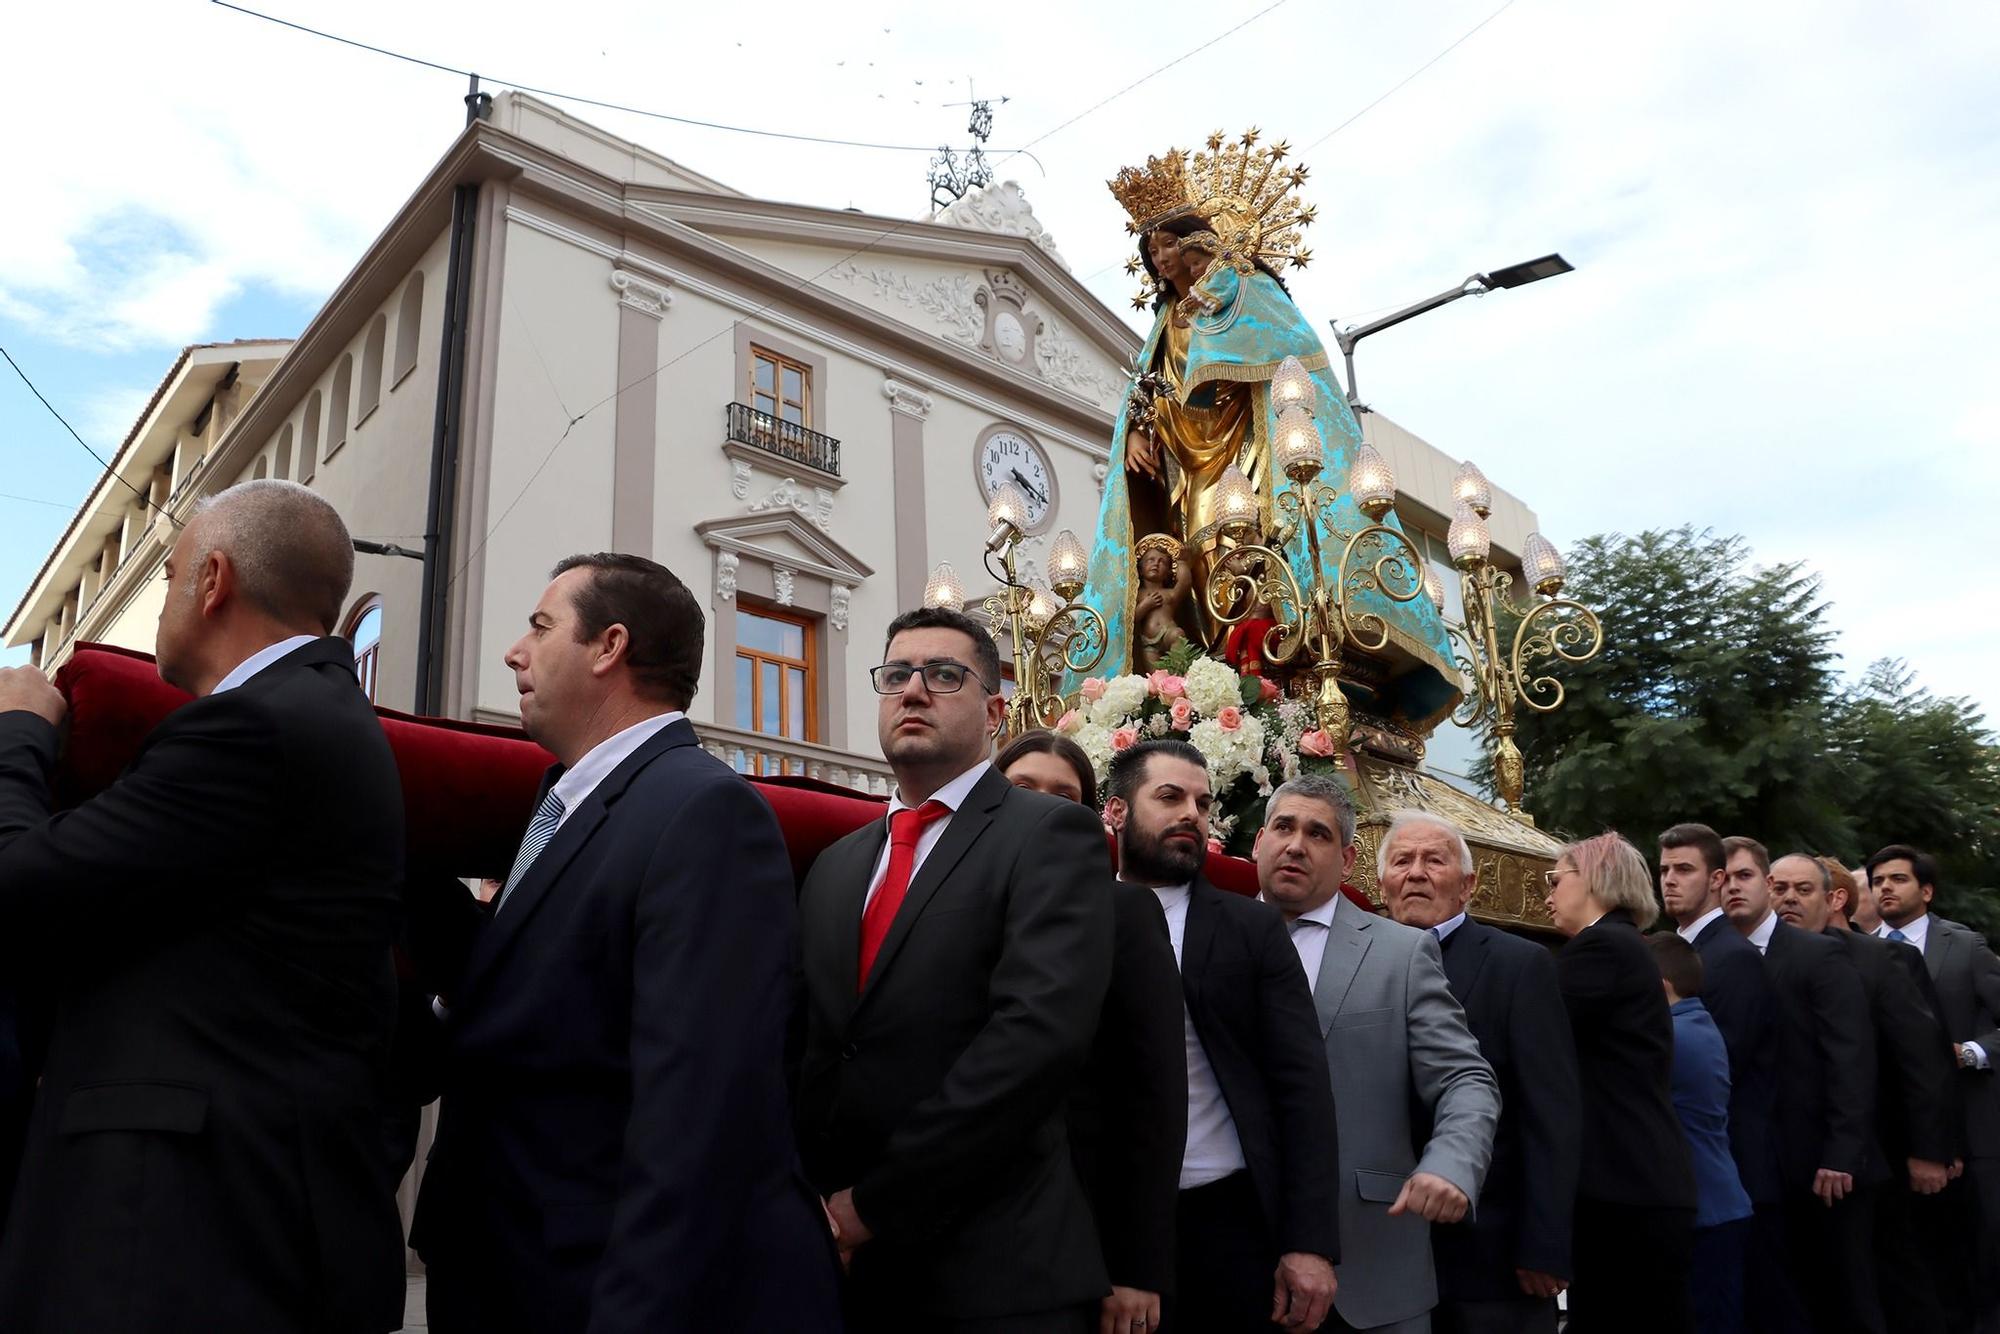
(956, 958)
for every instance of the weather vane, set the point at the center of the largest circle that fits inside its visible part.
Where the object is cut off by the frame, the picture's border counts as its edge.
(952, 174)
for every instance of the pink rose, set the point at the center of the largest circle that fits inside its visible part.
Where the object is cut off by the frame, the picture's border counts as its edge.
(1269, 688)
(1156, 682)
(1215, 846)
(1125, 738)
(1230, 718)
(1093, 688)
(1173, 687)
(1317, 743)
(1182, 714)
(1069, 722)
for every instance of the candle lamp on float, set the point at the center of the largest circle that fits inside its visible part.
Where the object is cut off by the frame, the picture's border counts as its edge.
(1547, 629)
(1320, 620)
(1050, 631)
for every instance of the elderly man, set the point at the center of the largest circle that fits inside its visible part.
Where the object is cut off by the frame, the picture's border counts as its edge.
(1828, 1157)
(1915, 1093)
(206, 1150)
(1399, 1053)
(1500, 1270)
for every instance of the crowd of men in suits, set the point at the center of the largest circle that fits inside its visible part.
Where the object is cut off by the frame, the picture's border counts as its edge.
(975, 1074)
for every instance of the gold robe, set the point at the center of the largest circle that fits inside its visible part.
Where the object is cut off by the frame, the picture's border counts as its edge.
(1202, 441)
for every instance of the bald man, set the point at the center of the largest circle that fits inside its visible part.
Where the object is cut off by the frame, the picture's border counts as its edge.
(205, 1150)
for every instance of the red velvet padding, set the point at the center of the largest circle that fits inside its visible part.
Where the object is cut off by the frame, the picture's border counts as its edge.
(468, 788)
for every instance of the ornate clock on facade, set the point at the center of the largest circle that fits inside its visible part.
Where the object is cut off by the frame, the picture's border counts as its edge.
(1006, 454)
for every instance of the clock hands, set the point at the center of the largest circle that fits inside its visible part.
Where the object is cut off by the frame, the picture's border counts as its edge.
(1029, 487)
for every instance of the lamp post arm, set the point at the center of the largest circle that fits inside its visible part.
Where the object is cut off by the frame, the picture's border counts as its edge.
(1348, 337)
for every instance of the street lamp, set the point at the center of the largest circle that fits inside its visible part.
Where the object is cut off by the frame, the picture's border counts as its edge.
(1479, 284)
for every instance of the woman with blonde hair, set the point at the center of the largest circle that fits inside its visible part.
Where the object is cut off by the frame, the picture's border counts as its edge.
(1635, 1204)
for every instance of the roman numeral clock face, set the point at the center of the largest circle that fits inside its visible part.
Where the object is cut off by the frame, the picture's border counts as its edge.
(1009, 456)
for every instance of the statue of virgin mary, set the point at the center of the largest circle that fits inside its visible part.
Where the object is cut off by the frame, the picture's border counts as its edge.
(1212, 231)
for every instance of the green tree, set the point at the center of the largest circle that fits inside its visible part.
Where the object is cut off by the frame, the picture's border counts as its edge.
(1707, 703)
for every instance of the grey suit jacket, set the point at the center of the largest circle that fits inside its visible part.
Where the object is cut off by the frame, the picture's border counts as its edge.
(1967, 976)
(1394, 1034)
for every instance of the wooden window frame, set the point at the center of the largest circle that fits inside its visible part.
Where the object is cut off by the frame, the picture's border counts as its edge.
(808, 663)
(780, 363)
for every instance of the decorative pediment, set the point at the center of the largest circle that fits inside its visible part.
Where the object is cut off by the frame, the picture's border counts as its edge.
(785, 539)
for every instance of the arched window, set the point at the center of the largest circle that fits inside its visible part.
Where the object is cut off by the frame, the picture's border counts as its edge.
(409, 324)
(336, 413)
(309, 440)
(281, 467)
(364, 631)
(371, 368)
(257, 474)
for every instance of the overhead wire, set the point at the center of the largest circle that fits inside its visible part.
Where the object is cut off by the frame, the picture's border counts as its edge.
(102, 462)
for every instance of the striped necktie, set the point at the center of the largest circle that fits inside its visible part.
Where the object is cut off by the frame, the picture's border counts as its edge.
(541, 829)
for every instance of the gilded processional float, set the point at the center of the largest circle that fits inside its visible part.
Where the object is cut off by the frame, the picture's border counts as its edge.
(1249, 588)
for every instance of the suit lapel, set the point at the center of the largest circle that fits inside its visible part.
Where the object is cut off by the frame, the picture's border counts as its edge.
(1197, 930)
(576, 832)
(1941, 945)
(1347, 943)
(1464, 956)
(847, 888)
(964, 828)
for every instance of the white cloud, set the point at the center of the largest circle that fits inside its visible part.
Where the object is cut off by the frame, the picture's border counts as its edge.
(1782, 215)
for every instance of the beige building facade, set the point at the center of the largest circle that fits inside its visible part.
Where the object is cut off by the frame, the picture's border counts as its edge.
(797, 409)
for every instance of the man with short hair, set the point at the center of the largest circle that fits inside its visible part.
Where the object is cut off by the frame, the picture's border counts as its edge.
(1827, 1152)
(1736, 991)
(1862, 911)
(1967, 976)
(614, 1151)
(957, 955)
(1499, 1269)
(1402, 1060)
(1258, 1219)
(205, 1151)
(1914, 1095)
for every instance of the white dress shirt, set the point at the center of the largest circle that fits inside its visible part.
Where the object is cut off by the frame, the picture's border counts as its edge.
(581, 779)
(1917, 932)
(1309, 932)
(259, 660)
(1697, 926)
(1213, 1149)
(1760, 934)
(952, 794)
(1444, 929)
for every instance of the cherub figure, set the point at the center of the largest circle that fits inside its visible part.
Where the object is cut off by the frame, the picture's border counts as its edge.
(1164, 579)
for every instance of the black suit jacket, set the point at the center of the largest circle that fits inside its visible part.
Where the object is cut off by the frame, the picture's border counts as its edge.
(1826, 1060)
(1632, 1150)
(939, 1093)
(205, 1152)
(1128, 1118)
(614, 1145)
(1253, 1011)
(1514, 1007)
(1915, 1086)
(1736, 990)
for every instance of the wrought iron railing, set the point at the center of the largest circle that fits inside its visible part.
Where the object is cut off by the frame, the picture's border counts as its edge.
(758, 753)
(787, 440)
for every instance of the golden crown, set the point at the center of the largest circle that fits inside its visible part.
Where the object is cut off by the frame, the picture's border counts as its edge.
(1237, 188)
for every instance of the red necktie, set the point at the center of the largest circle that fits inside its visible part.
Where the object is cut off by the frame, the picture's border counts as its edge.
(906, 828)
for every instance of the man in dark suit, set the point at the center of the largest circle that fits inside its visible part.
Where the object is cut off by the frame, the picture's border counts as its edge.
(1258, 1216)
(614, 1148)
(1499, 1270)
(1828, 1158)
(957, 956)
(1961, 1224)
(1736, 991)
(1915, 1093)
(205, 1151)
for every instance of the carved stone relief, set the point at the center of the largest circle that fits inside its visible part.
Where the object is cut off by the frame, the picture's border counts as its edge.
(1011, 331)
(1064, 364)
(739, 479)
(1004, 209)
(814, 504)
(781, 585)
(948, 300)
(647, 295)
(837, 609)
(725, 575)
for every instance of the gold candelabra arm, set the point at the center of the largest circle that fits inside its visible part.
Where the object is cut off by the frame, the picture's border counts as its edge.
(1246, 575)
(1471, 665)
(1396, 571)
(1076, 639)
(1556, 630)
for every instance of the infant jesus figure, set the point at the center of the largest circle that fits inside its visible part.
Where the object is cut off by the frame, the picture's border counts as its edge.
(1163, 590)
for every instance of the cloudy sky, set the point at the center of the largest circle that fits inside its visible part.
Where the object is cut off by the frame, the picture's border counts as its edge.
(1784, 218)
